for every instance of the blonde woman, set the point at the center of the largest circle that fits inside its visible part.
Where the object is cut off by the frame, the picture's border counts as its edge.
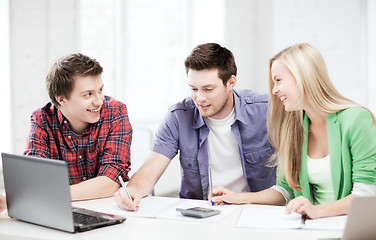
(325, 143)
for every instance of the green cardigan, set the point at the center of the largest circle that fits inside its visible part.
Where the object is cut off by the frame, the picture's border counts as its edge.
(352, 149)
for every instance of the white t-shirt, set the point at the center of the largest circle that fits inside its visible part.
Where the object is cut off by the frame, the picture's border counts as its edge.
(320, 179)
(224, 159)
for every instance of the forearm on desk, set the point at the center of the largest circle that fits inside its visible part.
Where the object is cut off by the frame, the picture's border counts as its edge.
(268, 197)
(339, 207)
(98, 187)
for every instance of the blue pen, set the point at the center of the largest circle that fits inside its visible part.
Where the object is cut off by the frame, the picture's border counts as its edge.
(211, 185)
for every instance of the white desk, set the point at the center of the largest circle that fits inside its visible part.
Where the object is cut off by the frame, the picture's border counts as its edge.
(155, 228)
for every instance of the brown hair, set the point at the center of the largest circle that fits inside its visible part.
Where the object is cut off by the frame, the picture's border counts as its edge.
(60, 77)
(212, 56)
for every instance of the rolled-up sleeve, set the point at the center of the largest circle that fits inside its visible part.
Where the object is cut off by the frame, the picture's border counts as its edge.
(115, 161)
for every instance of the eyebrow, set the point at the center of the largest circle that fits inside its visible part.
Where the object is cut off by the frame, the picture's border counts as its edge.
(209, 85)
(91, 90)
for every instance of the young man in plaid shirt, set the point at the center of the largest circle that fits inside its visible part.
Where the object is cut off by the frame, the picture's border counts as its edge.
(82, 126)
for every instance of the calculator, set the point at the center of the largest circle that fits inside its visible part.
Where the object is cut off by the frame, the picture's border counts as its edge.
(198, 212)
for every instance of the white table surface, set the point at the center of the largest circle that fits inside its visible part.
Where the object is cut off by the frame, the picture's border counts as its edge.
(156, 228)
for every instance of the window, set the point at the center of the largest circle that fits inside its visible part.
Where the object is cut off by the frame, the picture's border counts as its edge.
(5, 96)
(139, 44)
(142, 45)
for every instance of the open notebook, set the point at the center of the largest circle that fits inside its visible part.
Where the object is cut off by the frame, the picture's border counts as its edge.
(275, 217)
(360, 223)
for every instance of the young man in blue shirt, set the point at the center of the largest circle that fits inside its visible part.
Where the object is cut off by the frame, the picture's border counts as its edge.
(218, 131)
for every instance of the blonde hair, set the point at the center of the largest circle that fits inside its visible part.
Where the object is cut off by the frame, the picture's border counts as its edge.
(285, 129)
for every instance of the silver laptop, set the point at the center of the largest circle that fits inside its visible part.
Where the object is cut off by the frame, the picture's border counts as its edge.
(361, 220)
(37, 191)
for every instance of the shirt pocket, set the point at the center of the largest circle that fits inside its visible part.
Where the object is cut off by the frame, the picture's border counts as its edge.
(92, 155)
(190, 177)
(92, 162)
(189, 166)
(255, 165)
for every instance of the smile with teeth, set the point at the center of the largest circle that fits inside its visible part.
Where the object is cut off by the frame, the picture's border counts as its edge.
(95, 110)
(204, 106)
(283, 98)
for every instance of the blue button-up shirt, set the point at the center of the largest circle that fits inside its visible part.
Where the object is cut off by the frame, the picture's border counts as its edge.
(184, 129)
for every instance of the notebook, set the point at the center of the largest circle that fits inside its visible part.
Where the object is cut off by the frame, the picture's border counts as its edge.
(37, 191)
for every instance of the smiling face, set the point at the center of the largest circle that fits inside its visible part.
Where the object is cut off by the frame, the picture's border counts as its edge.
(212, 98)
(84, 103)
(285, 86)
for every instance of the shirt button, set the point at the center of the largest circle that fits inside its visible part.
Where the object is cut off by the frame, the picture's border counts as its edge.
(80, 157)
(65, 121)
(84, 178)
(69, 137)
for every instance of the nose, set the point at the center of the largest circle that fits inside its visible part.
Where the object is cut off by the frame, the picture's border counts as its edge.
(200, 96)
(275, 90)
(98, 99)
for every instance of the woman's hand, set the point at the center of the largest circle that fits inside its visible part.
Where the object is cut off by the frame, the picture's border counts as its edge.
(303, 206)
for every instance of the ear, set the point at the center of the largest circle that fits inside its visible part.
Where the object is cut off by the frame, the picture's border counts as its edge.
(60, 99)
(231, 82)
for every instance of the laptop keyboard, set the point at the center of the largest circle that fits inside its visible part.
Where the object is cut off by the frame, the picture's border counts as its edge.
(84, 219)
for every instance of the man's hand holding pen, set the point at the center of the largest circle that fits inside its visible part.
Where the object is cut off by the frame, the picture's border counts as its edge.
(126, 198)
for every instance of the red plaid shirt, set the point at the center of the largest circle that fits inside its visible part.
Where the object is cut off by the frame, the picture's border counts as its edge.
(103, 149)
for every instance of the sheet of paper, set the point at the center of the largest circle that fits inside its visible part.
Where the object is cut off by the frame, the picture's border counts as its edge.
(163, 207)
(270, 217)
(149, 207)
(329, 223)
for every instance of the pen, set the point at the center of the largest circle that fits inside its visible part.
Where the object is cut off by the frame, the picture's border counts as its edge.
(125, 189)
(211, 185)
(304, 217)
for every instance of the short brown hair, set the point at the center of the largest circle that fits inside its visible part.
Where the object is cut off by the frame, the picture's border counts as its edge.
(60, 77)
(212, 56)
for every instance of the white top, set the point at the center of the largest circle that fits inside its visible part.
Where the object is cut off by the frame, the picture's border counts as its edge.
(224, 159)
(320, 179)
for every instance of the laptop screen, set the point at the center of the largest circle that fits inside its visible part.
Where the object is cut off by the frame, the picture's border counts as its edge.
(37, 191)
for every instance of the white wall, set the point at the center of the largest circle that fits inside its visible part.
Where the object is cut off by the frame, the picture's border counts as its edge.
(370, 49)
(5, 120)
(337, 29)
(248, 28)
(40, 31)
